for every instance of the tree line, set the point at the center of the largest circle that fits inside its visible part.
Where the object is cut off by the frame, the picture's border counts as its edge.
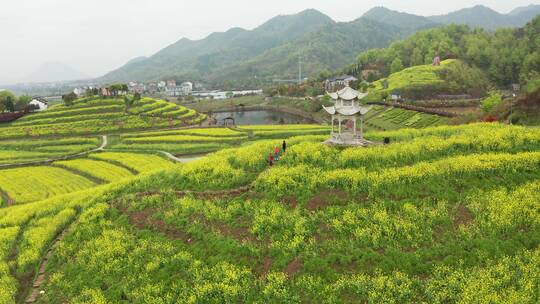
(507, 56)
(10, 103)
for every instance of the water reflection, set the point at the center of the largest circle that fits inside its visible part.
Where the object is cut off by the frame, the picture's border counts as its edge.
(261, 118)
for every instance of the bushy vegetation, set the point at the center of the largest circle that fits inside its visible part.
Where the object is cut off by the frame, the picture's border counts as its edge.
(507, 56)
(445, 215)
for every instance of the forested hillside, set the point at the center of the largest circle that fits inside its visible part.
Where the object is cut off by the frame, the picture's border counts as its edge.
(269, 51)
(507, 56)
(249, 58)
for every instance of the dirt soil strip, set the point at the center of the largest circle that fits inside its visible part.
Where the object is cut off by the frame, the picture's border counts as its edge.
(40, 279)
(5, 197)
(202, 194)
(104, 143)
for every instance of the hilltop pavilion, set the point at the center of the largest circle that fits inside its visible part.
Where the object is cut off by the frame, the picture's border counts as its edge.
(345, 113)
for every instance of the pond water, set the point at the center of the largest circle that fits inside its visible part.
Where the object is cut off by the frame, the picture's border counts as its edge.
(261, 118)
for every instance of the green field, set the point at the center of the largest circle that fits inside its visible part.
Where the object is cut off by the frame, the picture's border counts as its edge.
(441, 215)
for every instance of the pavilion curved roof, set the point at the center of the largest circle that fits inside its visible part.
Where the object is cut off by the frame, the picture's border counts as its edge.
(347, 93)
(347, 111)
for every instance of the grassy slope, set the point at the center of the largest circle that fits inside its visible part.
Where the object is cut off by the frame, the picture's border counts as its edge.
(446, 214)
(451, 77)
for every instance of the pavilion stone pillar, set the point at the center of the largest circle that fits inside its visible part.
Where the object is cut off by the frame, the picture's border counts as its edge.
(362, 126)
(339, 124)
(354, 121)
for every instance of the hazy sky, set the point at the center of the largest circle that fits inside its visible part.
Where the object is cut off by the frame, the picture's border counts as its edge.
(97, 36)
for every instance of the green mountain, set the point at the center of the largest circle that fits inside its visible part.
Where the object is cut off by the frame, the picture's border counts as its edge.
(399, 19)
(484, 17)
(268, 52)
(327, 49)
(197, 58)
(248, 58)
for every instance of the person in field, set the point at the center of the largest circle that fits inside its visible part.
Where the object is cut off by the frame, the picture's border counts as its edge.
(270, 159)
(284, 146)
(276, 153)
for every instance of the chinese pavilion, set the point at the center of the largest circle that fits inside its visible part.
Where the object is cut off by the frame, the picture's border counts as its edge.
(345, 114)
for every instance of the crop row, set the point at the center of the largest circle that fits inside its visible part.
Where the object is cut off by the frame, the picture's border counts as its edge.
(137, 162)
(28, 184)
(102, 170)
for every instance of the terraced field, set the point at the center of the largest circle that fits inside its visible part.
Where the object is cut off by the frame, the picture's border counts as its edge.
(100, 116)
(136, 162)
(33, 183)
(382, 118)
(192, 141)
(442, 215)
(18, 151)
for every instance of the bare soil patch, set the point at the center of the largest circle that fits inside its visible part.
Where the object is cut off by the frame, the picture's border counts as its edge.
(143, 219)
(293, 267)
(291, 201)
(265, 266)
(463, 216)
(327, 198)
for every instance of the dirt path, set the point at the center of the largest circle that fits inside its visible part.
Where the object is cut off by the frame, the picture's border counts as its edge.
(38, 282)
(9, 201)
(180, 159)
(104, 143)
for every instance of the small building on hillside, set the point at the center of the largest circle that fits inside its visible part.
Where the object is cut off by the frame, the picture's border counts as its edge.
(187, 87)
(137, 88)
(105, 92)
(339, 82)
(80, 92)
(346, 111)
(38, 104)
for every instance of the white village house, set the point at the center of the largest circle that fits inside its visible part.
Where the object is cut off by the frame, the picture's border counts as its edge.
(173, 90)
(39, 104)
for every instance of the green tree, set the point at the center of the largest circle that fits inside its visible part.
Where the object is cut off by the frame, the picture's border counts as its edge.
(8, 104)
(491, 102)
(416, 57)
(22, 102)
(4, 97)
(69, 99)
(396, 66)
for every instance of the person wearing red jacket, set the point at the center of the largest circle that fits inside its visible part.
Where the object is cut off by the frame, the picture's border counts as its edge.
(271, 159)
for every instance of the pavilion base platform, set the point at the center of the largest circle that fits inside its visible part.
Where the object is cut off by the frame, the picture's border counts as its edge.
(349, 140)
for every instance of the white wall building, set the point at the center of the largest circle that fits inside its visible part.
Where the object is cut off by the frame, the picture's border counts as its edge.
(39, 103)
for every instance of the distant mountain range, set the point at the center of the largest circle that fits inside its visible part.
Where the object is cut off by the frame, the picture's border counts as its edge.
(54, 71)
(243, 58)
(481, 16)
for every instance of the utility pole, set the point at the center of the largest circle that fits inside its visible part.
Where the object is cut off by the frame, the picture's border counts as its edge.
(300, 69)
